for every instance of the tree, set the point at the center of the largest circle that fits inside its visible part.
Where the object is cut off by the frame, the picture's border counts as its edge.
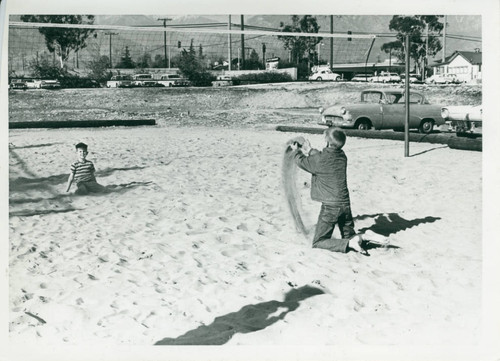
(62, 41)
(253, 62)
(44, 69)
(192, 67)
(158, 62)
(144, 61)
(99, 69)
(126, 61)
(416, 27)
(300, 45)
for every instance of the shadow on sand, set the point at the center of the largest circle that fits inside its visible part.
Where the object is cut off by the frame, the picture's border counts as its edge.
(248, 319)
(390, 223)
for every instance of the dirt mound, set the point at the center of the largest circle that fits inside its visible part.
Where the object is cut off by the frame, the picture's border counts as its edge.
(231, 106)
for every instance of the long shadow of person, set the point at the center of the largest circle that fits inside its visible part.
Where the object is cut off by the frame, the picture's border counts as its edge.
(248, 319)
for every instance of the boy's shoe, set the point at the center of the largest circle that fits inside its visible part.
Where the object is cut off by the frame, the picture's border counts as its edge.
(375, 238)
(356, 243)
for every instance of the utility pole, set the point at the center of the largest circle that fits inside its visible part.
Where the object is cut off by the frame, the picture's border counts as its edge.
(229, 58)
(331, 42)
(426, 50)
(444, 40)
(242, 43)
(165, 41)
(110, 53)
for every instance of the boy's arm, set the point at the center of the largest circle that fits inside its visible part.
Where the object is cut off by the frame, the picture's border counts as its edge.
(309, 162)
(70, 181)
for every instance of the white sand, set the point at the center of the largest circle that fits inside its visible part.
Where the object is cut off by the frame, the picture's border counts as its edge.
(211, 234)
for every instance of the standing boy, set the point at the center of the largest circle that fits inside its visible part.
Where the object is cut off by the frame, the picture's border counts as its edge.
(329, 186)
(82, 173)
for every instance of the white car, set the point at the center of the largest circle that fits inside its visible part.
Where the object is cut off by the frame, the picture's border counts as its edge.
(325, 74)
(464, 119)
(169, 80)
(386, 77)
(442, 79)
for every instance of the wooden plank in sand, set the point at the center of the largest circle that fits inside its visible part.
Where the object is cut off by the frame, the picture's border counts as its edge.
(82, 123)
(451, 140)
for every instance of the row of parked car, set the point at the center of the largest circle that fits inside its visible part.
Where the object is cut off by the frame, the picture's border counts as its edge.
(117, 81)
(147, 80)
(34, 84)
(385, 109)
(385, 77)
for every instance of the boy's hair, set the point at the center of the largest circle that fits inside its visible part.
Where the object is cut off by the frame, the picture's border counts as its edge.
(81, 146)
(335, 137)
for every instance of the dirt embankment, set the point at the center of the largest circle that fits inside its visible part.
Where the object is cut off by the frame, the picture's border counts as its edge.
(291, 103)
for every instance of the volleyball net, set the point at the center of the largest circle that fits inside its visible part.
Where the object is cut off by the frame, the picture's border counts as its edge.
(220, 46)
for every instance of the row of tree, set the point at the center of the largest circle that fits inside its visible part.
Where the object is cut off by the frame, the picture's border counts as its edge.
(302, 49)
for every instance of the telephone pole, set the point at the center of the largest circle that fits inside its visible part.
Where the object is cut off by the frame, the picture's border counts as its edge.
(165, 41)
(110, 35)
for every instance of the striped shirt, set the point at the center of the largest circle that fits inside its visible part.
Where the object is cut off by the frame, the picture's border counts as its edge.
(83, 171)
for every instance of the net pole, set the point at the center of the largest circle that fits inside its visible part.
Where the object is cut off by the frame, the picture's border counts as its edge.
(407, 96)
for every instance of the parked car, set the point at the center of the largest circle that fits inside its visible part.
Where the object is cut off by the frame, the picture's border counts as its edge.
(172, 80)
(443, 79)
(222, 80)
(50, 84)
(384, 109)
(414, 78)
(140, 79)
(362, 77)
(33, 83)
(119, 81)
(325, 74)
(464, 119)
(386, 77)
(18, 84)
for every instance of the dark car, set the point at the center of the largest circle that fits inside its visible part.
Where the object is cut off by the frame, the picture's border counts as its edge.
(18, 84)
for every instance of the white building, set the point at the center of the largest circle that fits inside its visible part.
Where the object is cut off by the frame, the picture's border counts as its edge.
(465, 64)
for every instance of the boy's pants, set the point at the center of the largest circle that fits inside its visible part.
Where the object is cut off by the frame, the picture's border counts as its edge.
(329, 216)
(89, 187)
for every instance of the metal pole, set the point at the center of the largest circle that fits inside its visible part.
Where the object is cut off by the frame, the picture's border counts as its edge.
(331, 42)
(426, 50)
(230, 60)
(407, 96)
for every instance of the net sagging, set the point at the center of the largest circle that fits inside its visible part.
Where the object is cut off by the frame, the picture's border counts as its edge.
(147, 47)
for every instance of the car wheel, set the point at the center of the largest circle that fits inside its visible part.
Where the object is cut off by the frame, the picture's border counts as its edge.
(319, 78)
(363, 125)
(337, 78)
(426, 126)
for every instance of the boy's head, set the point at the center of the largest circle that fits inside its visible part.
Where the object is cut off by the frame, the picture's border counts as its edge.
(81, 150)
(335, 138)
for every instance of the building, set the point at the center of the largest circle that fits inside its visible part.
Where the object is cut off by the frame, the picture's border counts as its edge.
(465, 64)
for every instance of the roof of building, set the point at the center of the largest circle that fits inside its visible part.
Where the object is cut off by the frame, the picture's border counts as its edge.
(473, 57)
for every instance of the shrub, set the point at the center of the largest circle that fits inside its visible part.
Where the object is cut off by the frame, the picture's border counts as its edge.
(264, 77)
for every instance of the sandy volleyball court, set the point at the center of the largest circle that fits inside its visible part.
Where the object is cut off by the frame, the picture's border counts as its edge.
(195, 244)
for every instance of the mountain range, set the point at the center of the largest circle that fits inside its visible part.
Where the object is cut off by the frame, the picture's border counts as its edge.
(463, 31)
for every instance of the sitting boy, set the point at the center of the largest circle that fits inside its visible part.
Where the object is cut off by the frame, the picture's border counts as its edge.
(82, 173)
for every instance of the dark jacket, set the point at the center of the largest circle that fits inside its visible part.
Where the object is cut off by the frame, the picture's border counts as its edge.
(329, 174)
